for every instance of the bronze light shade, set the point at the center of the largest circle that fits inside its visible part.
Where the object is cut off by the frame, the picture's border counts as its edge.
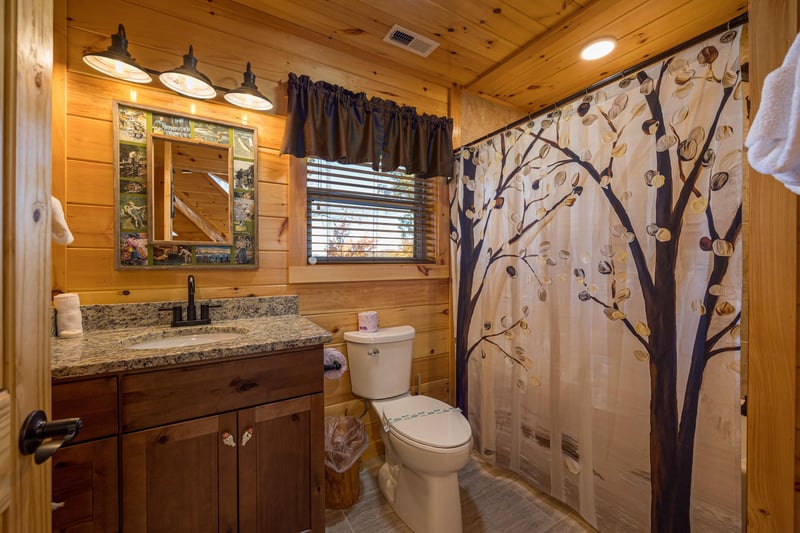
(187, 80)
(247, 95)
(117, 61)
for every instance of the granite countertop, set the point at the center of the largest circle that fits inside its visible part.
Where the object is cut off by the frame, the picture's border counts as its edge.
(101, 351)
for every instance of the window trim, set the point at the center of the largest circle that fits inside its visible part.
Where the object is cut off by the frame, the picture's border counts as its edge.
(301, 272)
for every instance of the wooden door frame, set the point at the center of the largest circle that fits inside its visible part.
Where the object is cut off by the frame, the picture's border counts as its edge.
(26, 256)
(771, 288)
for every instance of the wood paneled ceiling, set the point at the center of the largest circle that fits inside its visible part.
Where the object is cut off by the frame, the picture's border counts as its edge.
(522, 53)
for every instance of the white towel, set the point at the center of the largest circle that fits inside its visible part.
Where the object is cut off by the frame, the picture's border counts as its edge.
(61, 232)
(774, 137)
(69, 321)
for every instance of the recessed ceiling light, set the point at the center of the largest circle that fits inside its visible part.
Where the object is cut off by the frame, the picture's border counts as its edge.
(598, 48)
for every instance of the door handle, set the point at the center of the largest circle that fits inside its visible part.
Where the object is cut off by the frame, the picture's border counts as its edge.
(35, 429)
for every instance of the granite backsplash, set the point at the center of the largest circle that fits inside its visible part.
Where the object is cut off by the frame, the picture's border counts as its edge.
(149, 314)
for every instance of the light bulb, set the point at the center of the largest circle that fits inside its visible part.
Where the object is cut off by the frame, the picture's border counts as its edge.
(598, 48)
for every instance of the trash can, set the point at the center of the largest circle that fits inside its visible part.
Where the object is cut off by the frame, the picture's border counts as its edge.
(345, 441)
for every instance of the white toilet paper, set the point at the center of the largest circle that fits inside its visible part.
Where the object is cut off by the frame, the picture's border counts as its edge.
(330, 357)
(68, 315)
(368, 321)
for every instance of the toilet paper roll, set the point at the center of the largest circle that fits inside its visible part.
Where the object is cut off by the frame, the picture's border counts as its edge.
(335, 362)
(368, 321)
(69, 322)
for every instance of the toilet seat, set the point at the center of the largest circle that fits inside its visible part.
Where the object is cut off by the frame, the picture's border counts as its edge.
(427, 421)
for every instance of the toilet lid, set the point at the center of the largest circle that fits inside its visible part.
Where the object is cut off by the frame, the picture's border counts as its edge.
(427, 421)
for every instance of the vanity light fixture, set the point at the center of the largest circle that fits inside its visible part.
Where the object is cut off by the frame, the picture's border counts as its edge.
(247, 94)
(185, 79)
(598, 48)
(117, 61)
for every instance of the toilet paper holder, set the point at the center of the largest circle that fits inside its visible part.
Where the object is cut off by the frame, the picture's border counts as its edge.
(336, 365)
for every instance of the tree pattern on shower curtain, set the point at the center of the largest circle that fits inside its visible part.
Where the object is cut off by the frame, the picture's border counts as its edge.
(611, 224)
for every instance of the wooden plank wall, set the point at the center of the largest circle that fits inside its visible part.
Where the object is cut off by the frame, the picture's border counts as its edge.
(83, 173)
(480, 116)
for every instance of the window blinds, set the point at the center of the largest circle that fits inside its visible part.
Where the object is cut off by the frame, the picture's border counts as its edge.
(357, 215)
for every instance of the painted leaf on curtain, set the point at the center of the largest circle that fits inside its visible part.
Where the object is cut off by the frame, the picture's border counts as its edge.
(597, 282)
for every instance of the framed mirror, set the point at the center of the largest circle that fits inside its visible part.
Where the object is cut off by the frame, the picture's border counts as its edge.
(190, 185)
(185, 191)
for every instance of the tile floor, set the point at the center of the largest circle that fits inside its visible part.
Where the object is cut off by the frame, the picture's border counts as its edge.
(492, 500)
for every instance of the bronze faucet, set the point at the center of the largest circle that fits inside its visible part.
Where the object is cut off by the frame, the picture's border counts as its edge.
(191, 309)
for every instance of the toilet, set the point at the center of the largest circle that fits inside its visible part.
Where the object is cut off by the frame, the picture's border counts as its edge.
(427, 441)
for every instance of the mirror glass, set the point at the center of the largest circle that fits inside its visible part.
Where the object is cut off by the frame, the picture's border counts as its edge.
(190, 192)
(185, 191)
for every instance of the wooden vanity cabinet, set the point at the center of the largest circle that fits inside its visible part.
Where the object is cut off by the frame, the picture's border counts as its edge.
(186, 476)
(234, 445)
(85, 474)
(230, 445)
(277, 464)
(85, 488)
(180, 477)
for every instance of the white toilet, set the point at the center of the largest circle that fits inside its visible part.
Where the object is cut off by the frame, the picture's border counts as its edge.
(426, 440)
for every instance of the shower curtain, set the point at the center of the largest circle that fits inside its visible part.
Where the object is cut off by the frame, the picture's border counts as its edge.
(597, 267)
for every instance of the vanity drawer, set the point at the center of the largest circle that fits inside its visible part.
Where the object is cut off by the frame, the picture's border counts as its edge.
(92, 400)
(159, 397)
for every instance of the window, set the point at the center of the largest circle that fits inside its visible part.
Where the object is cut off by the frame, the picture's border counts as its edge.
(357, 215)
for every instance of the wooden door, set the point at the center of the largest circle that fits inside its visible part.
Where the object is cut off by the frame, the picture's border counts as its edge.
(26, 29)
(181, 477)
(281, 473)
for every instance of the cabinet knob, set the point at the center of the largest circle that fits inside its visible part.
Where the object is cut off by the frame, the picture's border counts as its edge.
(247, 435)
(56, 505)
(227, 439)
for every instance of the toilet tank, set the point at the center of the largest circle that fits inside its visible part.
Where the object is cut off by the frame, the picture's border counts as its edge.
(380, 362)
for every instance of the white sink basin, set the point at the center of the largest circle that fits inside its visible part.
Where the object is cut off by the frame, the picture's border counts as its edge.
(179, 341)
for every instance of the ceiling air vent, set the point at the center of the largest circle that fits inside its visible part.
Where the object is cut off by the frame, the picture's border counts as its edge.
(411, 41)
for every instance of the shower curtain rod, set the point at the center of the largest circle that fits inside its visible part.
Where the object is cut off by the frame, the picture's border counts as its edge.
(734, 22)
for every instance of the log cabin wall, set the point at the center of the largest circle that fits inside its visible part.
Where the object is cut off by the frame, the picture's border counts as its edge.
(480, 116)
(475, 117)
(159, 33)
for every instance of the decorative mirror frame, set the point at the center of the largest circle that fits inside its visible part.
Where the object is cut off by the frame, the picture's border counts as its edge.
(132, 250)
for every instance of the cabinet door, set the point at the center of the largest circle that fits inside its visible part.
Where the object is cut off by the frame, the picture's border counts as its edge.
(181, 477)
(281, 470)
(85, 488)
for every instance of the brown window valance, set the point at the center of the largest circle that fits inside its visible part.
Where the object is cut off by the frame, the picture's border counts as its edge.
(332, 123)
